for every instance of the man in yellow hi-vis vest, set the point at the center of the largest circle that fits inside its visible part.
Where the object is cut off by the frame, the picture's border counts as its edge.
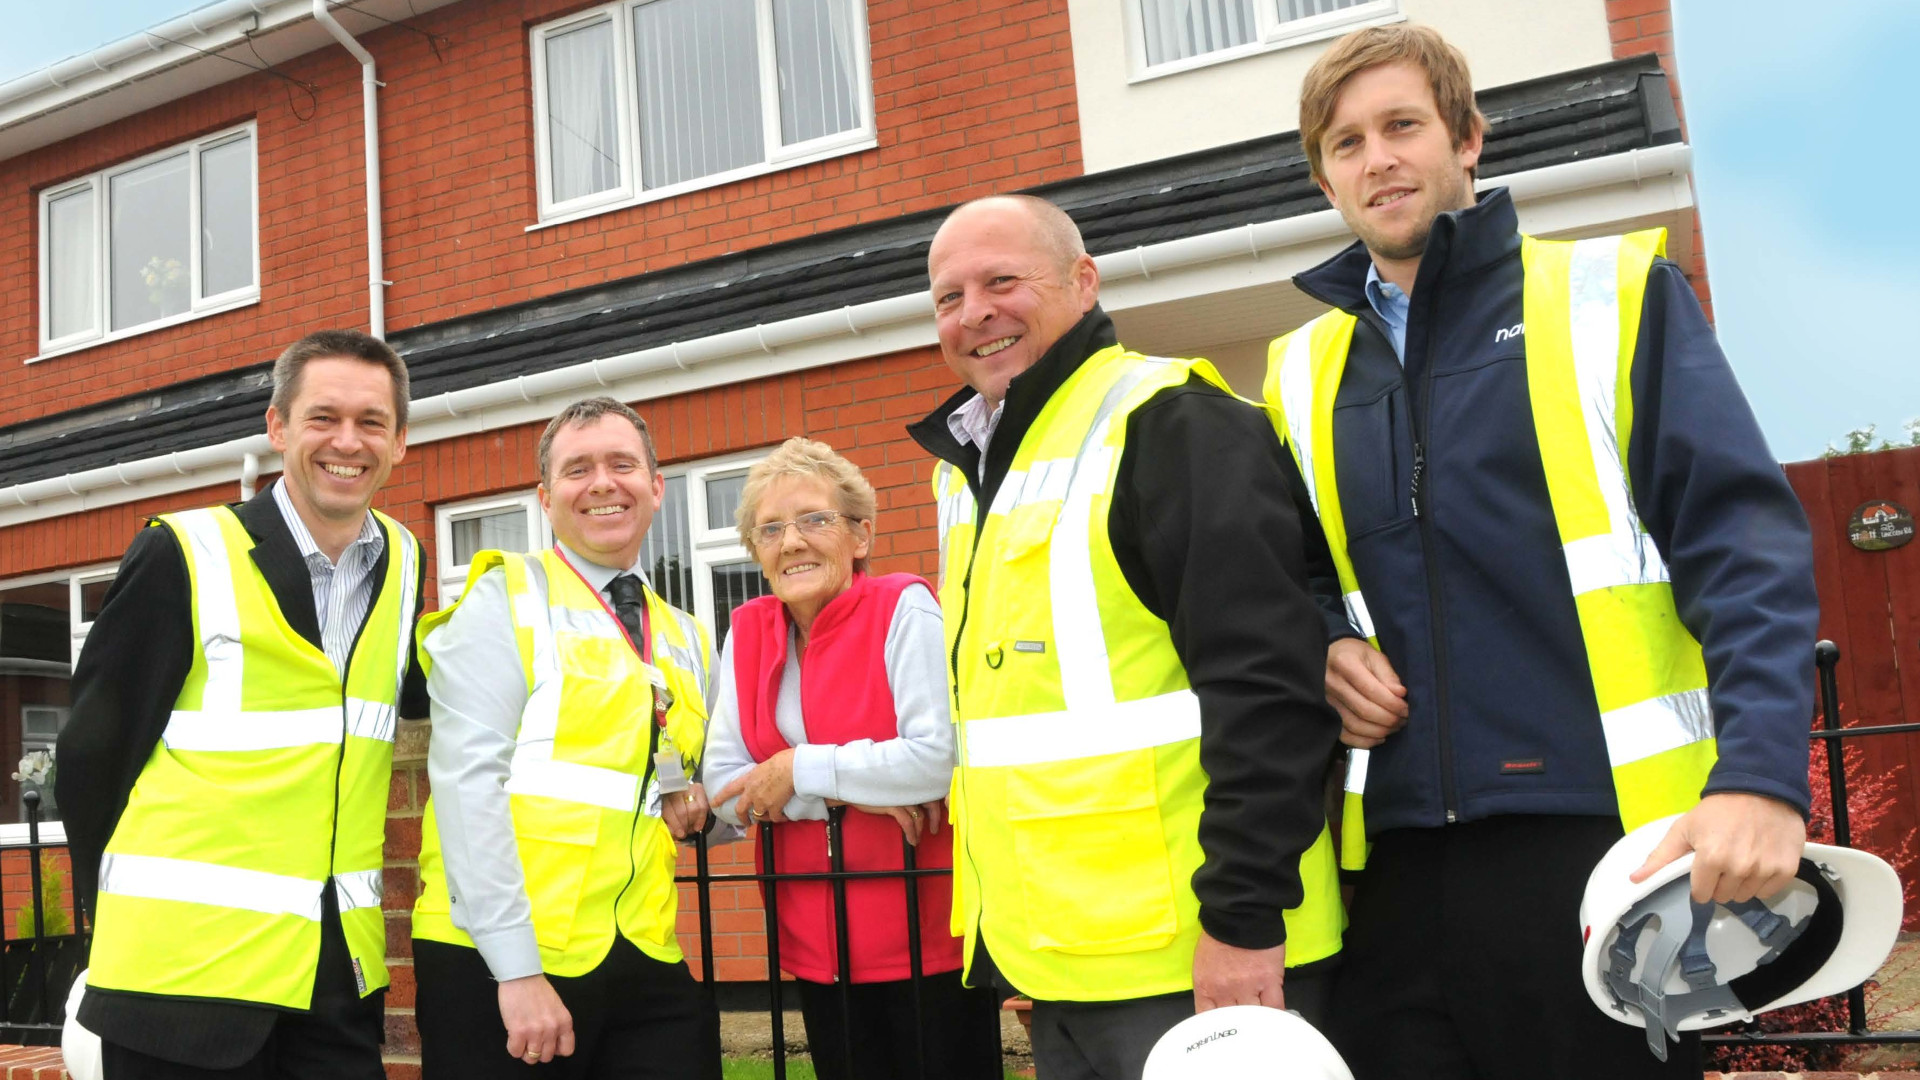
(569, 715)
(1136, 663)
(225, 772)
(1553, 525)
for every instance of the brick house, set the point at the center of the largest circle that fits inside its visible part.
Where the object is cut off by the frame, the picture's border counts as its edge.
(715, 209)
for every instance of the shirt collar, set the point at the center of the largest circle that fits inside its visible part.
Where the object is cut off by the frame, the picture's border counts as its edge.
(1387, 298)
(973, 422)
(600, 576)
(366, 547)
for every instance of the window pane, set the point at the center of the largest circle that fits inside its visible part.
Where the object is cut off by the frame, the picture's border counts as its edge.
(42, 723)
(71, 255)
(1177, 29)
(1306, 9)
(226, 217)
(93, 596)
(723, 500)
(500, 530)
(583, 118)
(150, 242)
(814, 47)
(734, 584)
(31, 725)
(698, 69)
(35, 625)
(667, 552)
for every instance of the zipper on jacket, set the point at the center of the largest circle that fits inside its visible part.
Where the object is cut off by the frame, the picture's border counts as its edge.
(1436, 603)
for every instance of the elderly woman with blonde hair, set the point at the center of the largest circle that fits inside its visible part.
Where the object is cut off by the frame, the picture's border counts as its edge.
(833, 692)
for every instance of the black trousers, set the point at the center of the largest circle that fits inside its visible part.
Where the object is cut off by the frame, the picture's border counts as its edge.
(634, 1018)
(1110, 1040)
(960, 1029)
(1463, 956)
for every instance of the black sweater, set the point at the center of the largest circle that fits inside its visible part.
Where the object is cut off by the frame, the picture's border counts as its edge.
(1206, 523)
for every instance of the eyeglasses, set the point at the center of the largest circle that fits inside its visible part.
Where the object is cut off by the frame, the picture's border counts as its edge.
(812, 524)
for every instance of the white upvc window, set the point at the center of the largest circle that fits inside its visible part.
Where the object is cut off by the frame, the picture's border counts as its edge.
(692, 555)
(644, 99)
(156, 241)
(44, 620)
(1170, 36)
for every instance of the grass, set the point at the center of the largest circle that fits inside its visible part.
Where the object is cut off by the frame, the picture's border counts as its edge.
(733, 1068)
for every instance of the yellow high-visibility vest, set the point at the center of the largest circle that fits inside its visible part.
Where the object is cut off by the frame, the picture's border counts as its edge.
(1581, 308)
(597, 864)
(268, 786)
(1077, 798)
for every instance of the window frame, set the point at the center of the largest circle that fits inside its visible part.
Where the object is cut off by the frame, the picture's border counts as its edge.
(1270, 34)
(100, 185)
(53, 832)
(707, 547)
(630, 191)
(452, 578)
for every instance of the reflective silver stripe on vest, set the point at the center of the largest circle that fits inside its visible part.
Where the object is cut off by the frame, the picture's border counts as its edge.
(690, 658)
(409, 598)
(952, 508)
(572, 782)
(1037, 738)
(1040, 481)
(1296, 400)
(152, 877)
(260, 730)
(371, 719)
(217, 610)
(359, 889)
(1357, 613)
(1654, 726)
(1624, 555)
(1079, 637)
(1356, 771)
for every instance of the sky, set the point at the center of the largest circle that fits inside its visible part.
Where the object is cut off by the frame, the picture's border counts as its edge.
(1795, 122)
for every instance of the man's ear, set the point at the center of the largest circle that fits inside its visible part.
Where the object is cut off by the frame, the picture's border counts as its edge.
(1086, 282)
(1327, 191)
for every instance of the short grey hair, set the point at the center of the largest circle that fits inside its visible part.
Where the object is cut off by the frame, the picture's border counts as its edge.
(586, 411)
(803, 457)
(1057, 232)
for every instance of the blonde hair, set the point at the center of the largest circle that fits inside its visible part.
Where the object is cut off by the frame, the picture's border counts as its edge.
(1422, 46)
(807, 459)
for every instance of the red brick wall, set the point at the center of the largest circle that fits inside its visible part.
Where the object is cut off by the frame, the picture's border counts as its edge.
(969, 98)
(1639, 27)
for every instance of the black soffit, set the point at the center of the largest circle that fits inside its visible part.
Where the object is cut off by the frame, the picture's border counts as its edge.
(1575, 116)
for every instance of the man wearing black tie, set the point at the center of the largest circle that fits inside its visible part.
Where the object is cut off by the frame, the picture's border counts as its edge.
(225, 772)
(569, 711)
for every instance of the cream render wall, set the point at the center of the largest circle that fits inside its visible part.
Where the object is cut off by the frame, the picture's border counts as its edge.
(1125, 123)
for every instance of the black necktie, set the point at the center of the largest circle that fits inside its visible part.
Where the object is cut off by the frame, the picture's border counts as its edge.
(628, 602)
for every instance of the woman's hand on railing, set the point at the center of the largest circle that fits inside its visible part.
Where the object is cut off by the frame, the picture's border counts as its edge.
(762, 794)
(915, 821)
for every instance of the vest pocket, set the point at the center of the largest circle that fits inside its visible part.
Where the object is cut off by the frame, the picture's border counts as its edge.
(556, 842)
(1091, 855)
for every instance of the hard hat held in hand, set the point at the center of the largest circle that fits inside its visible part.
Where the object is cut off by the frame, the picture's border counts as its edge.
(1657, 960)
(80, 1047)
(1244, 1042)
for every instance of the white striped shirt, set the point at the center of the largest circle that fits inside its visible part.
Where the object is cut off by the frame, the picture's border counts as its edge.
(343, 591)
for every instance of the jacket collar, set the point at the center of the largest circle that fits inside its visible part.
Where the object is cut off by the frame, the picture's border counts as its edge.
(1462, 243)
(286, 573)
(1027, 394)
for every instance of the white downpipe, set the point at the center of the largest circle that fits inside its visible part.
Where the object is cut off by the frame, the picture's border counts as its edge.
(1227, 245)
(249, 475)
(369, 86)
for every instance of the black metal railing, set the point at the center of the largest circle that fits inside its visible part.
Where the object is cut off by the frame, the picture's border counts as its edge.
(1826, 657)
(37, 968)
(838, 875)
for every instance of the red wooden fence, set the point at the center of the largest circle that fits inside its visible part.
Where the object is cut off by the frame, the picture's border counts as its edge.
(1870, 607)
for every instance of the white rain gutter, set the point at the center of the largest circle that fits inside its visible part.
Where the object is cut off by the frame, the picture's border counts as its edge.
(106, 57)
(1228, 245)
(370, 121)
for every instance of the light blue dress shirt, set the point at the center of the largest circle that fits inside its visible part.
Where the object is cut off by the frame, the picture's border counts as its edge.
(1391, 305)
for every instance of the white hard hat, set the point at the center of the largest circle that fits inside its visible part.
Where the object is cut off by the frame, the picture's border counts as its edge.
(1651, 951)
(80, 1047)
(1244, 1042)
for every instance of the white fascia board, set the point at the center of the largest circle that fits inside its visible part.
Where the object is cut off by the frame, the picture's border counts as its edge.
(210, 45)
(1574, 197)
